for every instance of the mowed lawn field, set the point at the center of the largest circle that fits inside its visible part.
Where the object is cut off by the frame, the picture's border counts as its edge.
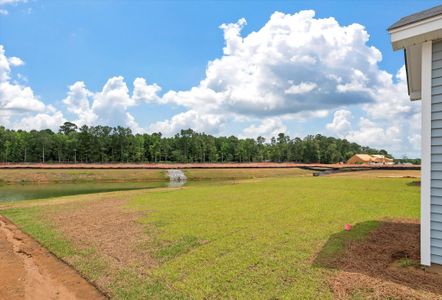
(264, 238)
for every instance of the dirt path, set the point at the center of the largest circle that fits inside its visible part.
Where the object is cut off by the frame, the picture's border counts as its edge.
(28, 271)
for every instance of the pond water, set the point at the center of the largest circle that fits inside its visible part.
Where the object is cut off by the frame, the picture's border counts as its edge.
(17, 192)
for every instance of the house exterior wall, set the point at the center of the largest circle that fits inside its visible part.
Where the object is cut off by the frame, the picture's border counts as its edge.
(436, 154)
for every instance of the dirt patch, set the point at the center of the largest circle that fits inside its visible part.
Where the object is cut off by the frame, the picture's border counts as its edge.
(28, 271)
(385, 265)
(112, 231)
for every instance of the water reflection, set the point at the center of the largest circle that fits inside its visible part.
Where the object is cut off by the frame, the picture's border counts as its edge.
(17, 192)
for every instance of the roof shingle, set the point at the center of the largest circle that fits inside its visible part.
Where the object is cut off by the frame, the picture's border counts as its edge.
(425, 14)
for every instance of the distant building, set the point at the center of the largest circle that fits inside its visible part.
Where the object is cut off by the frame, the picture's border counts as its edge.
(369, 159)
(381, 159)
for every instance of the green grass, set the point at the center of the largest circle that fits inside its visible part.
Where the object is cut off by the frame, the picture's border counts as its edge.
(406, 262)
(243, 173)
(263, 239)
(263, 236)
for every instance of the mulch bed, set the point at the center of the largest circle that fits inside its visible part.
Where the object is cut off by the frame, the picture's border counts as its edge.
(385, 265)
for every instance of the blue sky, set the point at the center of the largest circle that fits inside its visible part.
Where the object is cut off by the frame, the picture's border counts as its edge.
(170, 43)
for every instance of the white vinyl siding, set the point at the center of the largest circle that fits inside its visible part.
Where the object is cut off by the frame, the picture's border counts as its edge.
(436, 154)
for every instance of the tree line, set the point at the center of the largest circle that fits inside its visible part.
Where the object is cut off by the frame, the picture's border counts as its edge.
(104, 144)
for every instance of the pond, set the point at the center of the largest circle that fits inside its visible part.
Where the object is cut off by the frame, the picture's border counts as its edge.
(17, 192)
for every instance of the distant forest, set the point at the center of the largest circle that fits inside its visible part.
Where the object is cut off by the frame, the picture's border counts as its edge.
(104, 144)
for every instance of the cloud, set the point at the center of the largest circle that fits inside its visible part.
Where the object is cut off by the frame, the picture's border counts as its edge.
(341, 122)
(391, 122)
(15, 97)
(392, 99)
(110, 105)
(15, 61)
(189, 119)
(268, 127)
(294, 63)
(51, 119)
(145, 92)
(77, 102)
(4, 3)
(370, 133)
(302, 88)
(20, 108)
(296, 67)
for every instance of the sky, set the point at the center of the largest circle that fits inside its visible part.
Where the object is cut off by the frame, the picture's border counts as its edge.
(248, 68)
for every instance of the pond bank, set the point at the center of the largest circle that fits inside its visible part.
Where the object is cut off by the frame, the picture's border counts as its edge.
(18, 176)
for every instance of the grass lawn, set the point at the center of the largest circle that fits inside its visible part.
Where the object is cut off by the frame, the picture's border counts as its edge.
(240, 173)
(256, 239)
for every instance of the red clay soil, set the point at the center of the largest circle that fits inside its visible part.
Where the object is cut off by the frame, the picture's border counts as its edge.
(199, 166)
(385, 265)
(29, 271)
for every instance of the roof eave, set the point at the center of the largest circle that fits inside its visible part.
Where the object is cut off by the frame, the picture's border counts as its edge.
(416, 33)
(410, 37)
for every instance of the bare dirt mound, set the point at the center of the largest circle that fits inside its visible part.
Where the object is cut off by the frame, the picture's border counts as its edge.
(385, 265)
(28, 271)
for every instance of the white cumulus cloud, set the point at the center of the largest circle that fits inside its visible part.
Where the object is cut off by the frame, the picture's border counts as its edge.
(19, 106)
(110, 105)
(341, 122)
(295, 65)
(189, 119)
(268, 128)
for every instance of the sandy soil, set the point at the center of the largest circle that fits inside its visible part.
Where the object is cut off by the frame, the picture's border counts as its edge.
(195, 166)
(371, 268)
(29, 271)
